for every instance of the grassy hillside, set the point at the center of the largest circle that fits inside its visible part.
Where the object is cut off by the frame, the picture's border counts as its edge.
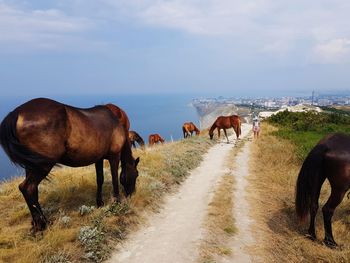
(275, 168)
(305, 129)
(79, 231)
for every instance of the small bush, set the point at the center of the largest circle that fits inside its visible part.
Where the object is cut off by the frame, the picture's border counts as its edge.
(65, 221)
(305, 129)
(92, 240)
(84, 210)
(60, 257)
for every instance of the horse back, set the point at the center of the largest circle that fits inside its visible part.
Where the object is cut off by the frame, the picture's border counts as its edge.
(93, 134)
(120, 114)
(223, 122)
(337, 159)
(42, 126)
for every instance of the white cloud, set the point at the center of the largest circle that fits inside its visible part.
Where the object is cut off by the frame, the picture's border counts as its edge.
(260, 26)
(333, 51)
(268, 26)
(51, 29)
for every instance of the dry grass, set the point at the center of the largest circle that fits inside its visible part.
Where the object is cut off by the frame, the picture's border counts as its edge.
(219, 223)
(274, 169)
(72, 237)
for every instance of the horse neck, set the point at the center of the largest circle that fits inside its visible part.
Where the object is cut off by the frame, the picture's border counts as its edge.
(212, 128)
(139, 139)
(126, 155)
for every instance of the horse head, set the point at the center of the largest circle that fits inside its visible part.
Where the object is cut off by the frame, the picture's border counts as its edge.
(211, 134)
(128, 177)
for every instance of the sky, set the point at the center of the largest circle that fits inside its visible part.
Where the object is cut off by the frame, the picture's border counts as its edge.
(217, 47)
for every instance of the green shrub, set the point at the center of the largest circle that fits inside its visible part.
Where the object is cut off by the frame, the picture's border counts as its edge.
(305, 129)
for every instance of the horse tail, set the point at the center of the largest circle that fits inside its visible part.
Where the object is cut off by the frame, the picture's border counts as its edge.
(18, 153)
(309, 182)
(239, 127)
(150, 140)
(184, 131)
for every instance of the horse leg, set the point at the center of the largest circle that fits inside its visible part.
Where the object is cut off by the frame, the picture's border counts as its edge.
(235, 129)
(114, 163)
(334, 200)
(29, 189)
(314, 208)
(226, 135)
(99, 180)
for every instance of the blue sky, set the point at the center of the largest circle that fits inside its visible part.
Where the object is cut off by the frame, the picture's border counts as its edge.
(218, 47)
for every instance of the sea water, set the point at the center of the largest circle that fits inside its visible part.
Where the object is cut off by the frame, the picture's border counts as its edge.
(163, 114)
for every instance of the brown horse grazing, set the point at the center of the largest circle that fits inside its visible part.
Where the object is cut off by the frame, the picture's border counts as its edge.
(330, 159)
(135, 137)
(155, 138)
(42, 132)
(226, 122)
(188, 128)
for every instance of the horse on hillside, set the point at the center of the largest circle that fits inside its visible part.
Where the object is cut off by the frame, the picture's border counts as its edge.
(155, 138)
(42, 133)
(135, 137)
(188, 128)
(329, 159)
(226, 122)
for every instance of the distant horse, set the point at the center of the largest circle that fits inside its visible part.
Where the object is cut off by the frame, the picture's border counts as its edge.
(226, 122)
(135, 137)
(188, 128)
(42, 132)
(155, 138)
(330, 159)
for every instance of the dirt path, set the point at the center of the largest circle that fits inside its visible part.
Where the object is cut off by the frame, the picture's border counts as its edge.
(173, 235)
(244, 238)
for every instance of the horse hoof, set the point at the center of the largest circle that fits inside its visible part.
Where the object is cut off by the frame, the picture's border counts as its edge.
(100, 203)
(311, 237)
(38, 226)
(330, 243)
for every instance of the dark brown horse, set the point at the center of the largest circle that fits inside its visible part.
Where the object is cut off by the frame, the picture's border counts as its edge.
(155, 138)
(188, 128)
(42, 132)
(329, 159)
(120, 114)
(226, 122)
(135, 137)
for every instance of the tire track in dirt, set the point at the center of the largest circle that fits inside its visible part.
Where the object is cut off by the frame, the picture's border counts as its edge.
(241, 211)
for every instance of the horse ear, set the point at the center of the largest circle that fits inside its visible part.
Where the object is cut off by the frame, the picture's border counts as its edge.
(137, 161)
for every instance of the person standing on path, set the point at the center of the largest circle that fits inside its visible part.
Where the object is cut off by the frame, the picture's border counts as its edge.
(256, 127)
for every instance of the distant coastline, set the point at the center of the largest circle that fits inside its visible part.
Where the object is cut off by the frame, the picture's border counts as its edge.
(163, 114)
(209, 108)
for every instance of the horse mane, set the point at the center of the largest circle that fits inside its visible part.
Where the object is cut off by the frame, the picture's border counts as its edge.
(239, 126)
(212, 128)
(139, 139)
(160, 138)
(126, 153)
(195, 127)
(120, 114)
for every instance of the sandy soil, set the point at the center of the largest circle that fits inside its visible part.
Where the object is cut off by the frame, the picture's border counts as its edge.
(173, 235)
(244, 238)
